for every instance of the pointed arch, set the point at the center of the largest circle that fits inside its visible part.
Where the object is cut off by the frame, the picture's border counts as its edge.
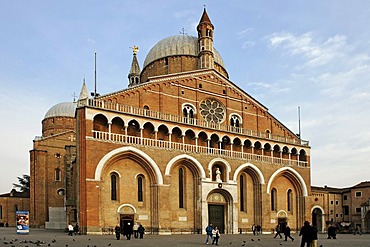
(254, 168)
(186, 157)
(295, 173)
(122, 150)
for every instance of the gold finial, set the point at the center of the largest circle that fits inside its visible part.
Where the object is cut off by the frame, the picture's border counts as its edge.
(135, 49)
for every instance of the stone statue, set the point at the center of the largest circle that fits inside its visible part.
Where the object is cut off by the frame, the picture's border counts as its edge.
(218, 174)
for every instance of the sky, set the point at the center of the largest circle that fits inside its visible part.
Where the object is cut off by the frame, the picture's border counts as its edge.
(314, 55)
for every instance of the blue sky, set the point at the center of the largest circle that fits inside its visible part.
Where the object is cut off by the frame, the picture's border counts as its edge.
(312, 54)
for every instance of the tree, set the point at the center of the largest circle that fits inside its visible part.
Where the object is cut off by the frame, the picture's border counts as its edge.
(24, 184)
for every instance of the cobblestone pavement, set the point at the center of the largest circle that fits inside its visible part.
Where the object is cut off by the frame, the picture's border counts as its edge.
(8, 237)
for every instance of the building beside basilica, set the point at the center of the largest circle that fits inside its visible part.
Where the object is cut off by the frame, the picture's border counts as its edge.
(182, 146)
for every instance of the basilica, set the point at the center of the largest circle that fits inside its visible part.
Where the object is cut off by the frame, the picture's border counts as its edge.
(181, 147)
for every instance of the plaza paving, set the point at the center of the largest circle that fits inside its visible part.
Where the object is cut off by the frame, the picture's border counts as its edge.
(61, 239)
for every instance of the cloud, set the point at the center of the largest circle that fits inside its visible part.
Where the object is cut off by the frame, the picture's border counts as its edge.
(245, 32)
(248, 44)
(315, 53)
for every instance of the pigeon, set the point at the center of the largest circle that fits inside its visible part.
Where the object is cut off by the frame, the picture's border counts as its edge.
(259, 239)
(109, 244)
(252, 239)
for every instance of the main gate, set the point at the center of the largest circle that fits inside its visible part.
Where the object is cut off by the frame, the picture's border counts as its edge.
(216, 216)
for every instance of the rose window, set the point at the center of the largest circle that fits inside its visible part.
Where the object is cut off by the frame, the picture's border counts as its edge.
(212, 111)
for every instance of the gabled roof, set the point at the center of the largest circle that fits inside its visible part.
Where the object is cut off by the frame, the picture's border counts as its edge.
(17, 194)
(362, 185)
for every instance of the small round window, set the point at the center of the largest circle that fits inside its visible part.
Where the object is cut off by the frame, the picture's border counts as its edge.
(61, 192)
(212, 111)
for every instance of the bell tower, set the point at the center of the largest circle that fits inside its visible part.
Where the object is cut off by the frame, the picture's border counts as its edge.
(205, 42)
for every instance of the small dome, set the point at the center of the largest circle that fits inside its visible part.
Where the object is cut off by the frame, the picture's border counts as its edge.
(66, 109)
(177, 45)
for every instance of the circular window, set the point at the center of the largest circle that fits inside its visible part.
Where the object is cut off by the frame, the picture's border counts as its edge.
(61, 192)
(212, 111)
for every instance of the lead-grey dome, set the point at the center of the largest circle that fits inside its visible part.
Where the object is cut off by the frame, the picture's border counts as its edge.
(65, 109)
(177, 45)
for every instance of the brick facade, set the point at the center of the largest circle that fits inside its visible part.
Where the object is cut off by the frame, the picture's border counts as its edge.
(149, 154)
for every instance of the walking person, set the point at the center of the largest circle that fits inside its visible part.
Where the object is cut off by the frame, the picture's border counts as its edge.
(278, 231)
(357, 230)
(314, 236)
(209, 229)
(141, 231)
(70, 229)
(287, 233)
(135, 229)
(128, 231)
(215, 235)
(76, 229)
(306, 233)
(117, 230)
(259, 229)
(254, 229)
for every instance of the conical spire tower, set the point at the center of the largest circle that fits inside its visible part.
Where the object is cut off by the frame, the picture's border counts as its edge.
(134, 75)
(84, 93)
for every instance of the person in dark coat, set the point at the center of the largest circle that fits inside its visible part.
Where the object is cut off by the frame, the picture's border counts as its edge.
(76, 229)
(141, 231)
(278, 231)
(209, 229)
(307, 234)
(287, 233)
(314, 236)
(128, 231)
(332, 232)
(117, 230)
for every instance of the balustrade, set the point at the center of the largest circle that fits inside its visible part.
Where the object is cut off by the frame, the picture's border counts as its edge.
(179, 119)
(189, 148)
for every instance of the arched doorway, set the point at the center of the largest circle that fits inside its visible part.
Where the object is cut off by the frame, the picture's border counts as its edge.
(317, 219)
(220, 210)
(127, 216)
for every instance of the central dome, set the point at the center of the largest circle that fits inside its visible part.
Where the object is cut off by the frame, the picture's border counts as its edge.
(65, 109)
(175, 46)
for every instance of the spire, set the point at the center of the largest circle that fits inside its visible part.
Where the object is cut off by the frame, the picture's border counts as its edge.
(205, 18)
(84, 93)
(134, 75)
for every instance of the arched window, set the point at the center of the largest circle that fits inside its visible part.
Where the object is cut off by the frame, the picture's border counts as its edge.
(140, 183)
(273, 199)
(242, 185)
(268, 133)
(188, 112)
(1, 211)
(113, 186)
(15, 207)
(181, 188)
(289, 199)
(235, 120)
(57, 174)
